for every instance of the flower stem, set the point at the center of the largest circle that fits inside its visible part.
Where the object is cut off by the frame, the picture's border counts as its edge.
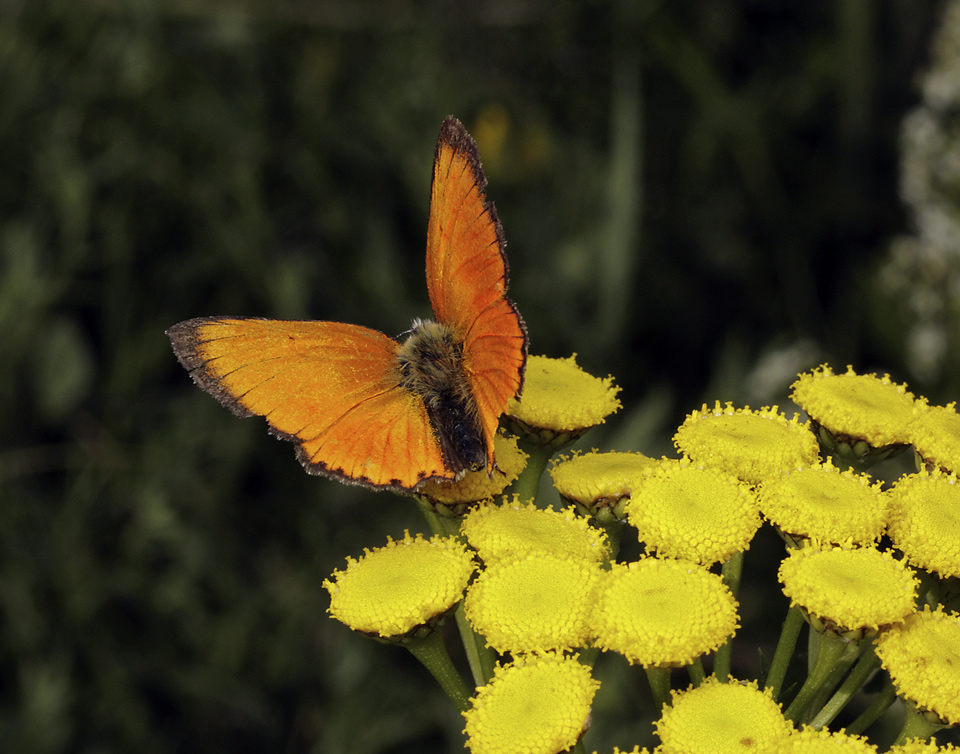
(730, 572)
(834, 658)
(696, 672)
(431, 651)
(785, 648)
(528, 482)
(916, 725)
(659, 679)
(864, 668)
(886, 697)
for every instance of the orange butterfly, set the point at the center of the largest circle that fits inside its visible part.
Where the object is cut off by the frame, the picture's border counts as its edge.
(362, 407)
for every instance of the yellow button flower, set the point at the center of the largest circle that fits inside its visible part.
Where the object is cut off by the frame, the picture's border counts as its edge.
(858, 415)
(823, 503)
(810, 741)
(537, 705)
(925, 521)
(560, 402)
(505, 531)
(533, 603)
(597, 483)
(393, 590)
(663, 613)
(751, 445)
(853, 591)
(721, 718)
(935, 435)
(684, 511)
(922, 655)
(921, 746)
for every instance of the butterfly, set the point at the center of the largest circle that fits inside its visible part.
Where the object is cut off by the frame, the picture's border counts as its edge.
(361, 406)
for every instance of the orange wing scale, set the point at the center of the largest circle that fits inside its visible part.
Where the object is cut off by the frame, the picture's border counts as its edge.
(467, 278)
(330, 387)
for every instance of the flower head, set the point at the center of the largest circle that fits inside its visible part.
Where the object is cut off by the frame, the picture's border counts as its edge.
(852, 591)
(751, 445)
(819, 502)
(935, 435)
(921, 746)
(684, 511)
(599, 483)
(560, 402)
(539, 704)
(663, 613)
(721, 718)
(393, 590)
(922, 655)
(925, 521)
(858, 415)
(533, 602)
(811, 741)
(500, 531)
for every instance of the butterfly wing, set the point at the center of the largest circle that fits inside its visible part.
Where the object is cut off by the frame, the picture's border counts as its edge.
(332, 388)
(467, 278)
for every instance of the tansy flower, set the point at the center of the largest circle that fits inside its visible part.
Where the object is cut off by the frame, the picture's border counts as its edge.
(684, 511)
(559, 403)
(456, 496)
(811, 741)
(922, 656)
(393, 590)
(511, 529)
(823, 503)
(634, 750)
(536, 705)
(751, 445)
(857, 415)
(851, 591)
(599, 483)
(935, 435)
(921, 746)
(925, 521)
(533, 602)
(663, 613)
(721, 718)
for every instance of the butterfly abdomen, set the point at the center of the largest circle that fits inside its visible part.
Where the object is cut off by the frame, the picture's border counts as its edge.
(431, 367)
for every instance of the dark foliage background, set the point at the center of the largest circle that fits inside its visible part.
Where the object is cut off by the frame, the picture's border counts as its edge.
(693, 194)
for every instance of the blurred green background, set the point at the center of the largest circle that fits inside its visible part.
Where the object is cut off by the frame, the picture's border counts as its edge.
(697, 198)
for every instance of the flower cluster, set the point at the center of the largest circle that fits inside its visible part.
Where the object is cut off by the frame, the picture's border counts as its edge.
(539, 590)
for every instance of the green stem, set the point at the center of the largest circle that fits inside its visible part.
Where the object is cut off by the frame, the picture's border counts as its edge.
(916, 725)
(431, 651)
(862, 671)
(696, 672)
(659, 679)
(730, 572)
(834, 658)
(785, 649)
(886, 697)
(527, 484)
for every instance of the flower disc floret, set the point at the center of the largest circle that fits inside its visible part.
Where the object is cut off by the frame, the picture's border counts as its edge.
(851, 590)
(925, 521)
(935, 435)
(536, 705)
(599, 481)
(811, 741)
(751, 445)
(663, 613)
(533, 603)
(392, 590)
(922, 746)
(922, 656)
(820, 502)
(505, 531)
(721, 718)
(682, 510)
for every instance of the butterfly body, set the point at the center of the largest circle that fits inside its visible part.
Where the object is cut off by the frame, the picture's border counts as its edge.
(362, 407)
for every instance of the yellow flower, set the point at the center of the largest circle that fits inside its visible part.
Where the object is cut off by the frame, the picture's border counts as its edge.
(536, 705)
(851, 591)
(822, 503)
(663, 613)
(534, 602)
(560, 402)
(393, 590)
(635, 750)
(922, 655)
(858, 415)
(453, 497)
(598, 483)
(721, 718)
(688, 512)
(935, 435)
(810, 741)
(921, 746)
(751, 445)
(511, 529)
(925, 521)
